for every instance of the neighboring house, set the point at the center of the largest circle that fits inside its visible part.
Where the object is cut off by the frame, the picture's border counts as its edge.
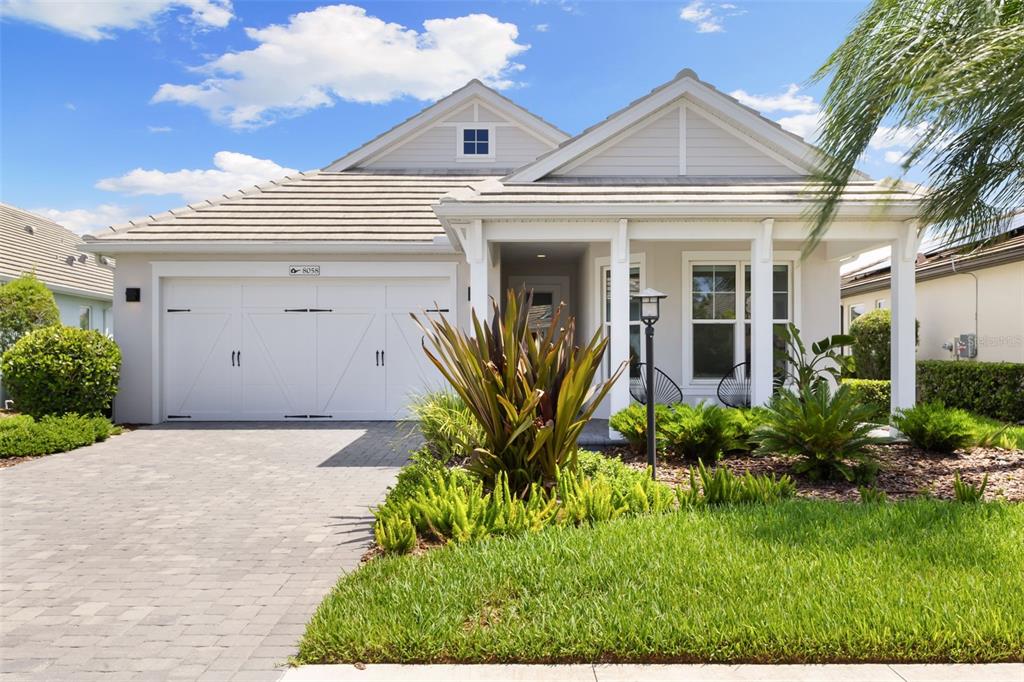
(970, 301)
(81, 282)
(292, 300)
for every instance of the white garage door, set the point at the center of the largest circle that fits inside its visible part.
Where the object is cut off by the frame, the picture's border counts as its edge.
(285, 350)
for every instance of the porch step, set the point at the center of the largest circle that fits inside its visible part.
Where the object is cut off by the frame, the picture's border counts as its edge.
(595, 434)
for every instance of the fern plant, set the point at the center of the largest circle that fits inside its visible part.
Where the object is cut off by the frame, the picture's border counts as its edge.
(631, 424)
(700, 432)
(828, 432)
(934, 427)
(967, 492)
(531, 393)
(449, 429)
(872, 495)
(394, 534)
(721, 486)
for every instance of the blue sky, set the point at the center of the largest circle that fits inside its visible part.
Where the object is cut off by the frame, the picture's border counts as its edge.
(117, 109)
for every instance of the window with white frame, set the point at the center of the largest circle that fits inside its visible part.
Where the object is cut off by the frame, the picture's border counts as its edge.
(636, 352)
(476, 142)
(720, 335)
(881, 303)
(85, 317)
(856, 310)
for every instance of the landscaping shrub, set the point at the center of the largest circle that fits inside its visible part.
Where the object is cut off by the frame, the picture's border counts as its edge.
(631, 423)
(721, 486)
(871, 495)
(991, 433)
(700, 432)
(826, 359)
(829, 433)
(871, 348)
(966, 492)
(992, 389)
(25, 304)
(934, 427)
(449, 429)
(532, 393)
(873, 392)
(23, 436)
(448, 505)
(57, 370)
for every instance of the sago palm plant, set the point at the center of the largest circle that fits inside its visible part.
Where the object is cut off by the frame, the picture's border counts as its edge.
(531, 393)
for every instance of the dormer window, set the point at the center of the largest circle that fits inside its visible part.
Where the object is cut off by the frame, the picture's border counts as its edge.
(476, 143)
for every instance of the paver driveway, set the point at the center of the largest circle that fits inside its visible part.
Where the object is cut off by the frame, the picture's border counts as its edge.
(183, 552)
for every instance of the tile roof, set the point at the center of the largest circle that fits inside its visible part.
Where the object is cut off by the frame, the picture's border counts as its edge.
(31, 243)
(347, 206)
(941, 262)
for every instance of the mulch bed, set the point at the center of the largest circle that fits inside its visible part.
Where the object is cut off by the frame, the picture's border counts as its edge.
(906, 472)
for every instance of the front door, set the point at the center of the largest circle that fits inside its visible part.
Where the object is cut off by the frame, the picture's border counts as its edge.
(549, 291)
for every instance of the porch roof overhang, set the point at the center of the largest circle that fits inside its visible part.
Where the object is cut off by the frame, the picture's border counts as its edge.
(868, 211)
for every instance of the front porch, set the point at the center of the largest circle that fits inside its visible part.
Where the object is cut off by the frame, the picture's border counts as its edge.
(730, 287)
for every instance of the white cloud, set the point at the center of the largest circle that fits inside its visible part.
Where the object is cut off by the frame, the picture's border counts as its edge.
(98, 20)
(542, 28)
(339, 52)
(790, 100)
(898, 137)
(70, 106)
(804, 125)
(159, 129)
(83, 220)
(709, 17)
(231, 172)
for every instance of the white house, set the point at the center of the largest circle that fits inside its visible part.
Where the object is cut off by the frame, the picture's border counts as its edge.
(291, 300)
(970, 299)
(81, 282)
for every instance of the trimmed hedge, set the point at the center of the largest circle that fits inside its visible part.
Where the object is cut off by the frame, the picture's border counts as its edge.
(993, 389)
(23, 436)
(57, 370)
(874, 392)
(25, 304)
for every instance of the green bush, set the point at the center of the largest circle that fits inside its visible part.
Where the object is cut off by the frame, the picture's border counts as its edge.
(874, 392)
(871, 348)
(449, 505)
(828, 432)
(967, 492)
(631, 423)
(700, 432)
(721, 486)
(992, 389)
(934, 427)
(450, 431)
(25, 304)
(532, 393)
(57, 370)
(23, 436)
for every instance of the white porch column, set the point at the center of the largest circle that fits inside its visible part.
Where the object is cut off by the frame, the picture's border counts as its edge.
(761, 348)
(903, 349)
(618, 346)
(476, 255)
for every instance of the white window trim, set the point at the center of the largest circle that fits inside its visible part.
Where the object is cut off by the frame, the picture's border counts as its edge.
(601, 264)
(492, 145)
(740, 259)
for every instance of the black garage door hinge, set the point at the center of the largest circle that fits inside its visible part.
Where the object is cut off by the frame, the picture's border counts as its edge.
(308, 416)
(179, 416)
(179, 310)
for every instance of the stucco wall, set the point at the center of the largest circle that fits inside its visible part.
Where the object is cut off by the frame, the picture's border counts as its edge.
(946, 308)
(101, 316)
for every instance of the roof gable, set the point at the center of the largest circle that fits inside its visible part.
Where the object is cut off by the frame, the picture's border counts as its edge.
(685, 125)
(422, 141)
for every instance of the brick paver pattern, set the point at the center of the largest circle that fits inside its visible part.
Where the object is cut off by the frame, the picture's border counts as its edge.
(184, 552)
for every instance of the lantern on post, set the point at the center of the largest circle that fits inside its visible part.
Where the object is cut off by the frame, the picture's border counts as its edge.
(650, 311)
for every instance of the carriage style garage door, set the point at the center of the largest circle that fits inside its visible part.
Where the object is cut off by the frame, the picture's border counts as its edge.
(269, 349)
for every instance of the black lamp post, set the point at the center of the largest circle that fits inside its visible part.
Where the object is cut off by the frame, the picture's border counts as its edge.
(650, 311)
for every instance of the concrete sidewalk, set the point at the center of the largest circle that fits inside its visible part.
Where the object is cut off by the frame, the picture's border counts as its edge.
(999, 672)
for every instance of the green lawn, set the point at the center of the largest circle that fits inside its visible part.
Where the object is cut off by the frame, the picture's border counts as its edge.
(799, 581)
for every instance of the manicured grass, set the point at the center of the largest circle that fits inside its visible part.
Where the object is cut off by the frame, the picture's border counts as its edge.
(798, 581)
(23, 436)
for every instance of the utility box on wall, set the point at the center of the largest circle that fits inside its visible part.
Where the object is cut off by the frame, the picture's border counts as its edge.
(967, 346)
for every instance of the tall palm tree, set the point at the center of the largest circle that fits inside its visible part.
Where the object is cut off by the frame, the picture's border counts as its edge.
(952, 71)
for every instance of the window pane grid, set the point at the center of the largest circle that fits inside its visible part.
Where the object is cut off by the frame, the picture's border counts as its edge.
(476, 141)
